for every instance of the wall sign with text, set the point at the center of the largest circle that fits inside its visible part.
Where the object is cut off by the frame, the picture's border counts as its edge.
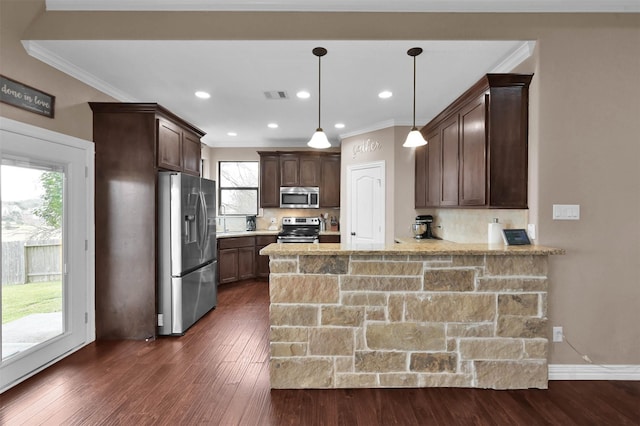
(26, 97)
(366, 146)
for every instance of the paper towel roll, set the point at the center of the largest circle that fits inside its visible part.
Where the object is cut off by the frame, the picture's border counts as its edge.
(495, 232)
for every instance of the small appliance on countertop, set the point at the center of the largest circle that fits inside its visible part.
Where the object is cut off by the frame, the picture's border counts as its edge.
(251, 223)
(422, 227)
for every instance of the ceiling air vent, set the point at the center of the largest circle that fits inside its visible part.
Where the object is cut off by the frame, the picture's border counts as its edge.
(276, 94)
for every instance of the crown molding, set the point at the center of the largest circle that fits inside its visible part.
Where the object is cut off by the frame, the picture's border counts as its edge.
(43, 54)
(521, 53)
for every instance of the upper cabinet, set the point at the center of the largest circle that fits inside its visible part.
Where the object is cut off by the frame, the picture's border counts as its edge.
(299, 168)
(269, 180)
(477, 148)
(178, 147)
(289, 170)
(330, 180)
(310, 170)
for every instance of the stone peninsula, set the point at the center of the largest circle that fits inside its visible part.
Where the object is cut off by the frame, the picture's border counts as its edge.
(408, 315)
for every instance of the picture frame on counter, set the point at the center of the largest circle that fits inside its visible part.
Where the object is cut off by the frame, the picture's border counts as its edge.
(25, 97)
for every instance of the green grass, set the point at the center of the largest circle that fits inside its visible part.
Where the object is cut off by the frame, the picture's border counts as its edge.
(19, 300)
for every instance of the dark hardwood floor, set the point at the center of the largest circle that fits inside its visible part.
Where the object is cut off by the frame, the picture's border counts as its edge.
(217, 374)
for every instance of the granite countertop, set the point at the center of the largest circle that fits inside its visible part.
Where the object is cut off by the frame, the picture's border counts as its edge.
(233, 234)
(406, 246)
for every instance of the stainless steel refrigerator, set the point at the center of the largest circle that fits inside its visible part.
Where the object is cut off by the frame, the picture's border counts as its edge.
(187, 287)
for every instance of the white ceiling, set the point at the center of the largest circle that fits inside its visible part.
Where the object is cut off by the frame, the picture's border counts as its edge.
(237, 73)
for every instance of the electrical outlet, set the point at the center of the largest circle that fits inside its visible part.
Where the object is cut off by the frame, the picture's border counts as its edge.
(531, 230)
(557, 334)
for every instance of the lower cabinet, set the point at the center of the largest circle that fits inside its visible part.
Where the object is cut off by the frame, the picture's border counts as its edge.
(236, 259)
(329, 238)
(262, 262)
(239, 258)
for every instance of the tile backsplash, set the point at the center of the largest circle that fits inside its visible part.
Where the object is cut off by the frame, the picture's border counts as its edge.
(238, 223)
(470, 225)
(458, 225)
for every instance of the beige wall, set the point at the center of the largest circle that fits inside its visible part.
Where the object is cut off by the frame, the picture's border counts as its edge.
(72, 114)
(584, 130)
(355, 151)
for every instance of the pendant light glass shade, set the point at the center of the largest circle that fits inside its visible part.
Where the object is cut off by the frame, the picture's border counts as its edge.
(414, 138)
(319, 139)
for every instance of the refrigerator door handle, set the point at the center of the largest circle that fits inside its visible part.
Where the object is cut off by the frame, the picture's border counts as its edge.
(205, 228)
(201, 221)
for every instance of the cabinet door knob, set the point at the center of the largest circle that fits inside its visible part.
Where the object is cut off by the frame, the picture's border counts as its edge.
(353, 233)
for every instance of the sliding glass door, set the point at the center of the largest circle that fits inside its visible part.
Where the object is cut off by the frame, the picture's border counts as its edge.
(46, 258)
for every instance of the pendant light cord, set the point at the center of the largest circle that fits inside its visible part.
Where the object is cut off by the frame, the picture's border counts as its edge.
(319, 93)
(414, 94)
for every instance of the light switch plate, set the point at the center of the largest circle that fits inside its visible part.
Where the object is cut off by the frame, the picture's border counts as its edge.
(566, 212)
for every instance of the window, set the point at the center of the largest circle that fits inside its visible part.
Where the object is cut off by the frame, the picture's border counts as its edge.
(238, 188)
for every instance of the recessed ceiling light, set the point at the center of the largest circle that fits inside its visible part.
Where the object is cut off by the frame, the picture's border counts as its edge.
(339, 126)
(232, 134)
(303, 94)
(385, 94)
(203, 95)
(272, 125)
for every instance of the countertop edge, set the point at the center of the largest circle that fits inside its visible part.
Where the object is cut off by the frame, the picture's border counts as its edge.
(432, 249)
(245, 234)
(263, 232)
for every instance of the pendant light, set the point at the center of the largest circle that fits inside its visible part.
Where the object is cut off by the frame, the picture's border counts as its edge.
(414, 138)
(319, 139)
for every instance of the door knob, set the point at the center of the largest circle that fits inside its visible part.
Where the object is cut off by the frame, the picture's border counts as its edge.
(353, 233)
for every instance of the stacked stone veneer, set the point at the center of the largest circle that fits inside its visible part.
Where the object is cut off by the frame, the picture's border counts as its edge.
(408, 321)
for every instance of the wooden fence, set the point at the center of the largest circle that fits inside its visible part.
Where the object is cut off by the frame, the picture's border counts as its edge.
(33, 261)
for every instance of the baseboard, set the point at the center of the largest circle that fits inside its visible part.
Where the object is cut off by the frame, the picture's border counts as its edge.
(593, 372)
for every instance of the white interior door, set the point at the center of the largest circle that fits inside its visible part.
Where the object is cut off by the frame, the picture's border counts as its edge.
(366, 195)
(46, 192)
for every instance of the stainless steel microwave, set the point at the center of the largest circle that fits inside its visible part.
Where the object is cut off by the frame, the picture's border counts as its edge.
(297, 197)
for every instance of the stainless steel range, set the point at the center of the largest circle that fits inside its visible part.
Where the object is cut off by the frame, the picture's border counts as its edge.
(299, 230)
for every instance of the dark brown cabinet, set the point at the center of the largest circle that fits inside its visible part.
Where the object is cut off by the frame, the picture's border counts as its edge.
(169, 145)
(178, 148)
(299, 168)
(236, 259)
(227, 265)
(289, 170)
(239, 258)
(132, 140)
(330, 181)
(310, 172)
(331, 238)
(449, 165)
(472, 154)
(262, 262)
(479, 153)
(191, 153)
(269, 180)
(428, 175)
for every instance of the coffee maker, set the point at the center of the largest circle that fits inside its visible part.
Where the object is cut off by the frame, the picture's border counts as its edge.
(422, 227)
